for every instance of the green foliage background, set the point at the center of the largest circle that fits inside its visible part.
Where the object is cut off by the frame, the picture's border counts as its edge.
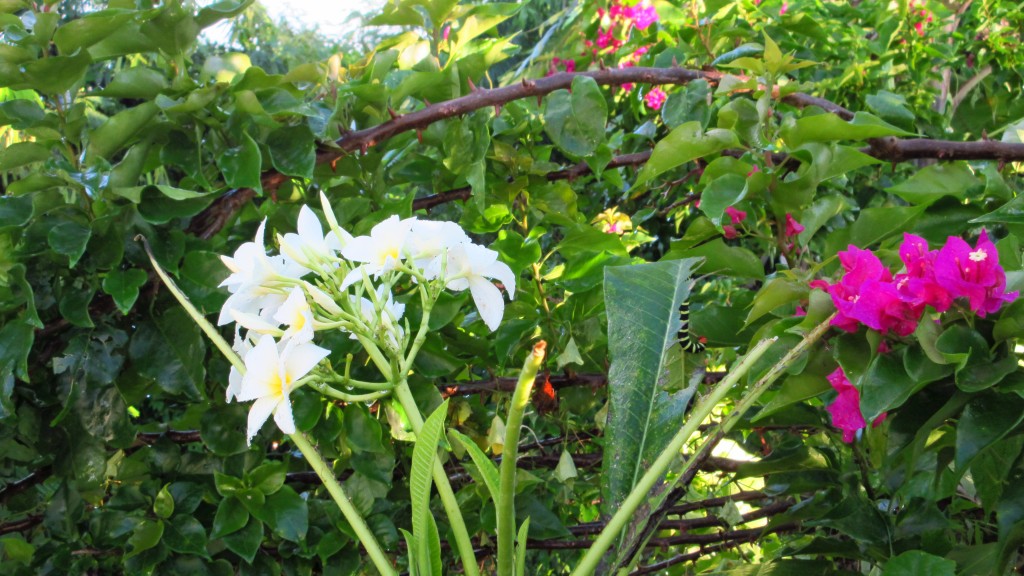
(118, 453)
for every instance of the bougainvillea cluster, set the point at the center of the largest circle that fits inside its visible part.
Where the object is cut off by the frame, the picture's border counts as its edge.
(613, 29)
(869, 294)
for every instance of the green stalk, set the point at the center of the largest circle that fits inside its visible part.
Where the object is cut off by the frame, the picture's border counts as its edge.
(197, 317)
(506, 505)
(366, 537)
(664, 461)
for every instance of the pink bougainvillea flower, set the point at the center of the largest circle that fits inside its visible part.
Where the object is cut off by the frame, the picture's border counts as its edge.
(918, 285)
(792, 226)
(784, 9)
(737, 216)
(730, 232)
(845, 410)
(879, 307)
(859, 266)
(800, 311)
(974, 274)
(753, 171)
(446, 32)
(644, 15)
(640, 52)
(655, 98)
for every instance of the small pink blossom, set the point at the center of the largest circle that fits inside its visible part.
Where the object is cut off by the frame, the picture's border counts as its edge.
(570, 65)
(655, 98)
(640, 52)
(627, 87)
(730, 232)
(860, 266)
(735, 215)
(918, 285)
(753, 171)
(845, 410)
(447, 30)
(792, 226)
(800, 311)
(644, 15)
(784, 9)
(880, 308)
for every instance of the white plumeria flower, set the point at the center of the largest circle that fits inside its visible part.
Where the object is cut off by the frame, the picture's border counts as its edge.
(471, 266)
(310, 246)
(270, 375)
(323, 299)
(296, 314)
(380, 252)
(428, 240)
(391, 313)
(252, 279)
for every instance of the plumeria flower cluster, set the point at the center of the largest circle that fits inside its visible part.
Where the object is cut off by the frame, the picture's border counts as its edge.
(869, 294)
(334, 281)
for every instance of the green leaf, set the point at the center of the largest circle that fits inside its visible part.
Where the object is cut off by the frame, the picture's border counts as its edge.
(933, 182)
(230, 518)
(161, 204)
(575, 119)
(293, 151)
(885, 386)
(22, 153)
(720, 258)
(74, 305)
(684, 143)
(720, 193)
(1010, 213)
(123, 286)
(53, 75)
(521, 547)
(688, 104)
(246, 542)
(829, 128)
(15, 211)
(16, 339)
(268, 477)
(420, 481)
(876, 224)
(222, 429)
(90, 29)
(163, 504)
(119, 129)
(486, 466)
(286, 513)
(147, 534)
(919, 563)
(186, 535)
(891, 108)
(241, 165)
(986, 419)
(69, 238)
(139, 82)
(164, 350)
(775, 293)
(643, 318)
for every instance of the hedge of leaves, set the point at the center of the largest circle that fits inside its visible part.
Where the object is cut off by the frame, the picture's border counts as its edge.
(766, 164)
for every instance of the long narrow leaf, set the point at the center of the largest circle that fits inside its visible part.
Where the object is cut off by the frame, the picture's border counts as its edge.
(524, 530)
(486, 466)
(420, 480)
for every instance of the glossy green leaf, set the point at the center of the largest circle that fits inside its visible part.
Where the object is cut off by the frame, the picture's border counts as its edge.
(163, 504)
(293, 151)
(147, 534)
(241, 165)
(230, 518)
(721, 193)
(22, 153)
(885, 386)
(286, 513)
(643, 319)
(15, 211)
(876, 224)
(163, 349)
(268, 477)
(986, 419)
(69, 238)
(775, 293)
(933, 182)
(720, 258)
(119, 129)
(246, 542)
(919, 563)
(830, 128)
(683, 144)
(1011, 212)
(488, 470)
(575, 119)
(123, 286)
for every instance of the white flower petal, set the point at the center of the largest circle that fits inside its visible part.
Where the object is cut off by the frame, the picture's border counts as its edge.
(488, 301)
(502, 273)
(300, 358)
(261, 409)
(254, 323)
(322, 299)
(261, 368)
(283, 416)
(234, 383)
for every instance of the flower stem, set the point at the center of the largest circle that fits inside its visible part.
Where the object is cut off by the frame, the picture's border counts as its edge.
(664, 461)
(506, 505)
(366, 537)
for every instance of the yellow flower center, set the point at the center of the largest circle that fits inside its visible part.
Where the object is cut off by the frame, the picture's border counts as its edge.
(277, 386)
(978, 256)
